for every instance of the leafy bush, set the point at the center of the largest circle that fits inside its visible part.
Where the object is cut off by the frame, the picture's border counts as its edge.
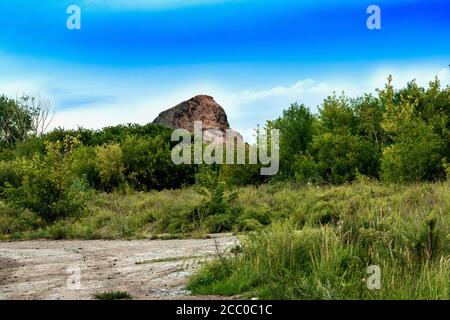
(110, 167)
(48, 188)
(85, 165)
(148, 164)
(108, 135)
(400, 136)
(121, 132)
(415, 156)
(336, 158)
(9, 175)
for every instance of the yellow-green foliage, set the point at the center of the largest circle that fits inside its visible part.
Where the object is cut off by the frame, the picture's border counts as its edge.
(48, 188)
(110, 166)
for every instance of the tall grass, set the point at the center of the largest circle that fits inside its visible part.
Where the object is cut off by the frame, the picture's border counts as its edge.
(331, 236)
(129, 215)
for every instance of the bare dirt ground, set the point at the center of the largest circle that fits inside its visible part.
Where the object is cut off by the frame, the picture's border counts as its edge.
(146, 269)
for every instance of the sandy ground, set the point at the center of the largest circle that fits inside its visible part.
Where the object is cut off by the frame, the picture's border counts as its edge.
(152, 269)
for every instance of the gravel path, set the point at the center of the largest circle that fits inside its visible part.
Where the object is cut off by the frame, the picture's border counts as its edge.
(153, 269)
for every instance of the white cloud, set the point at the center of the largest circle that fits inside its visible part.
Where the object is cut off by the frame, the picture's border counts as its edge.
(376, 79)
(302, 86)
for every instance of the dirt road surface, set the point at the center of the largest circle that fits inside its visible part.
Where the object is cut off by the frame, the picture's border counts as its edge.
(146, 269)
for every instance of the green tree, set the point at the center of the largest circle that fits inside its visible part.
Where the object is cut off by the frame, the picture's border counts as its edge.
(369, 115)
(335, 158)
(342, 146)
(296, 127)
(336, 115)
(416, 155)
(15, 122)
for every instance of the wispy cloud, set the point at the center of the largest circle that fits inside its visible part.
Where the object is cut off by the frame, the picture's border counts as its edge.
(421, 74)
(302, 86)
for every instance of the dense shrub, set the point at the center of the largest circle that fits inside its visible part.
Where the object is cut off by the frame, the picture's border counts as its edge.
(110, 167)
(113, 134)
(9, 175)
(217, 212)
(85, 165)
(48, 188)
(400, 135)
(336, 159)
(241, 174)
(416, 155)
(148, 164)
(85, 136)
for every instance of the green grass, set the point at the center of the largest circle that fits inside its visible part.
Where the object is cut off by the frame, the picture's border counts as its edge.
(329, 236)
(167, 214)
(107, 216)
(113, 295)
(316, 263)
(306, 242)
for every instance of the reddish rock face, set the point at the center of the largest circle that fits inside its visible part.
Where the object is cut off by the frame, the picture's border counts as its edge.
(200, 108)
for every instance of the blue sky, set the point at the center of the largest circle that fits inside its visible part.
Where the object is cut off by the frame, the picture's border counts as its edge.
(134, 58)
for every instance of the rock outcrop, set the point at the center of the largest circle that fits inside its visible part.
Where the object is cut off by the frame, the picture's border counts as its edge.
(200, 108)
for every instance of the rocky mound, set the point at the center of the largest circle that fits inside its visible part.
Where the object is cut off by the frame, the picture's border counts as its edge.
(200, 108)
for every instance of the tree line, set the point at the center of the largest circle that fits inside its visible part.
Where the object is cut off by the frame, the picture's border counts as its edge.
(395, 136)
